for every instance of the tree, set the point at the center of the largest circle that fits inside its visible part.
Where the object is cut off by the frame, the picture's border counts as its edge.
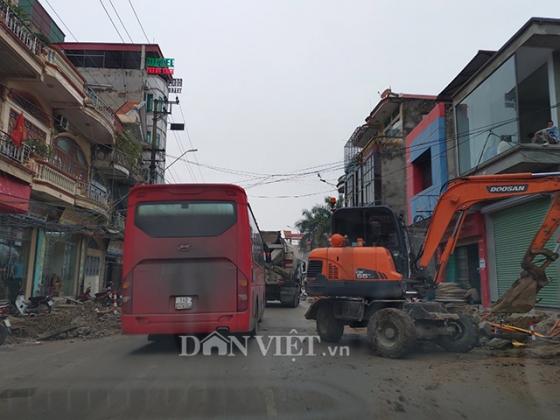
(315, 226)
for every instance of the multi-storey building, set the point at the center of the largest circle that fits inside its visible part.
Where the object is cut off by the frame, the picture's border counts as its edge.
(374, 155)
(490, 119)
(55, 207)
(119, 74)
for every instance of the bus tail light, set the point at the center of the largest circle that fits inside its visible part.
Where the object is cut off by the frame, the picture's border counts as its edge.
(242, 293)
(127, 294)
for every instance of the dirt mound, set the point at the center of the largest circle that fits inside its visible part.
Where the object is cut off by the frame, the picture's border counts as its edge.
(86, 320)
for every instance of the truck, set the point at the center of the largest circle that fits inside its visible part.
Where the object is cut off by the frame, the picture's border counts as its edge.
(284, 270)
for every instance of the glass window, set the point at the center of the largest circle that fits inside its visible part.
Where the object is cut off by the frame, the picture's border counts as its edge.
(149, 102)
(14, 251)
(487, 117)
(185, 218)
(59, 270)
(256, 240)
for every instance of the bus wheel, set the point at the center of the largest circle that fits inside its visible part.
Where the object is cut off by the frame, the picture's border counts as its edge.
(254, 331)
(329, 328)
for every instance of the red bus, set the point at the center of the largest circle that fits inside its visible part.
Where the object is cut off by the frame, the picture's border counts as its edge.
(193, 261)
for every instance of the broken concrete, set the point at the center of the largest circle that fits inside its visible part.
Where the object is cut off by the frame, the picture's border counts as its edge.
(86, 321)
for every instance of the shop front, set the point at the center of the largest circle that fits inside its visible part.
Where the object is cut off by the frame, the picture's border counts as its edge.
(15, 245)
(57, 263)
(467, 265)
(511, 230)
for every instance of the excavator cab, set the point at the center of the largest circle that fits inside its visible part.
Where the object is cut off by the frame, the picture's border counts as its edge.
(368, 256)
(376, 226)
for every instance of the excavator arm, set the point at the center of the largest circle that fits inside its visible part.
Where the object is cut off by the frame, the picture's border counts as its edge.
(463, 193)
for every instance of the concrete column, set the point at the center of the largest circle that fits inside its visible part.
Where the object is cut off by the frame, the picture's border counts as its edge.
(554, 86)
(28, 286)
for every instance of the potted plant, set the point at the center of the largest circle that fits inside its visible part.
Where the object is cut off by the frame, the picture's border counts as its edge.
(39, 149)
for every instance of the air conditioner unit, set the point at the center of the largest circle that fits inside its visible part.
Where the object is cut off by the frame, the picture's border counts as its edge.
(61, 123)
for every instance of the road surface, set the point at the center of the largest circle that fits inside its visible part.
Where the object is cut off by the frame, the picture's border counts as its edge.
(127, 377)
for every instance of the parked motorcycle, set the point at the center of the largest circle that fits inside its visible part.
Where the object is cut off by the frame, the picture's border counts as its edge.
(35, 304)
(105, 297)
(5, 326)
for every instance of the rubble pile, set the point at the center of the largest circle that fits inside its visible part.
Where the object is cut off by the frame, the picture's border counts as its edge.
(86, 320)
(535, 334)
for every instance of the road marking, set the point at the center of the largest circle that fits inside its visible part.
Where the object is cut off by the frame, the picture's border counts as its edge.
(270, 403)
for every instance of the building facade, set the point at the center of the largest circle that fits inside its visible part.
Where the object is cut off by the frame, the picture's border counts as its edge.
(55, 207)
(374, 156)
(490, 120)
(119, 74)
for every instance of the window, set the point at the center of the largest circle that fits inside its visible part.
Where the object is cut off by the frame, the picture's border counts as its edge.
(185, 218)
(369, 176)
(92, 264)
(69, 157)
(533, 86)
(149, 102)
(256, 240)
(486, 116)
(422, 172)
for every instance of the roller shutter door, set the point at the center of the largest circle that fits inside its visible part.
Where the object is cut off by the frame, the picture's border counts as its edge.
(514, 228)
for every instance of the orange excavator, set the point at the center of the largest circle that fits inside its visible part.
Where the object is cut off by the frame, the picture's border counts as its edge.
(369, 277)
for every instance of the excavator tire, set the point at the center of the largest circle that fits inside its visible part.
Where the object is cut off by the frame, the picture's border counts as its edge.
(391, 333)
(465, 337)
(329, 328)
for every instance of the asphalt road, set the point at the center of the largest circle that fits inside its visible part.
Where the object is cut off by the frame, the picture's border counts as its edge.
(127, 377)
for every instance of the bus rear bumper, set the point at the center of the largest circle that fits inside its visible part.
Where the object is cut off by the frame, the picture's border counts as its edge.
(185, 324)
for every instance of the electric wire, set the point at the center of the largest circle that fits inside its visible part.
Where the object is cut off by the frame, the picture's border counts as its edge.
(111, 20)
(61, 20)
(138, 20)
(121, 21)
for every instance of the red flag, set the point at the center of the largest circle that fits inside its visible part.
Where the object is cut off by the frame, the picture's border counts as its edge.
(18, 132)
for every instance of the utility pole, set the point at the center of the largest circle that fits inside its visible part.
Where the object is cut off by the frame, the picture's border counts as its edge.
(157, 114)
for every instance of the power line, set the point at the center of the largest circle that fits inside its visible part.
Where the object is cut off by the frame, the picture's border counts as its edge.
(291, 196)
(112, 22)
(138, 19)
(61, 21)
(120, 20)
(189, 138)
(182, 150)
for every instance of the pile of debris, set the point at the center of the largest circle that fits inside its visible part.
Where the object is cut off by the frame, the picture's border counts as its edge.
(535, 334)
(67, 320)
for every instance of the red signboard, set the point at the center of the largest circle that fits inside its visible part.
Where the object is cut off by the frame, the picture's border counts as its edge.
(159, 70)
(14, 195)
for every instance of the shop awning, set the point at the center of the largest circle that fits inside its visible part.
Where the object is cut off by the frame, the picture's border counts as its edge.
(14, 195)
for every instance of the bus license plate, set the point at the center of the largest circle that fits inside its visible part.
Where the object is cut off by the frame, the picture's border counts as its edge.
(183, 302)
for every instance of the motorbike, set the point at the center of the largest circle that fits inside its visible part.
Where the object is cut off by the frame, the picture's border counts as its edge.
(35, 305)
(105, 297)
(5, 326)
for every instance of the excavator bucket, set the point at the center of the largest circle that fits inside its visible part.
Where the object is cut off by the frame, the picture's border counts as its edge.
(521, 297)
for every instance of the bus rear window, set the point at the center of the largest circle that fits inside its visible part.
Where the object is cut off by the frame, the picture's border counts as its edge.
(185, 218)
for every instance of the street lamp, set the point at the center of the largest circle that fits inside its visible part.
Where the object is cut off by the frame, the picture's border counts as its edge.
(179, 157)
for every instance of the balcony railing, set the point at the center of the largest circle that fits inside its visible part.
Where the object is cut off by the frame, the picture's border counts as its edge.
(100, 106)
(11, 151)
(94, 193)
(20, 30)
(117, 221)
(49, 173)
(57, 59)
(116, 157)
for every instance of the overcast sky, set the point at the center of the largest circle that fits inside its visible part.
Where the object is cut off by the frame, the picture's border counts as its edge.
(274, 87)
